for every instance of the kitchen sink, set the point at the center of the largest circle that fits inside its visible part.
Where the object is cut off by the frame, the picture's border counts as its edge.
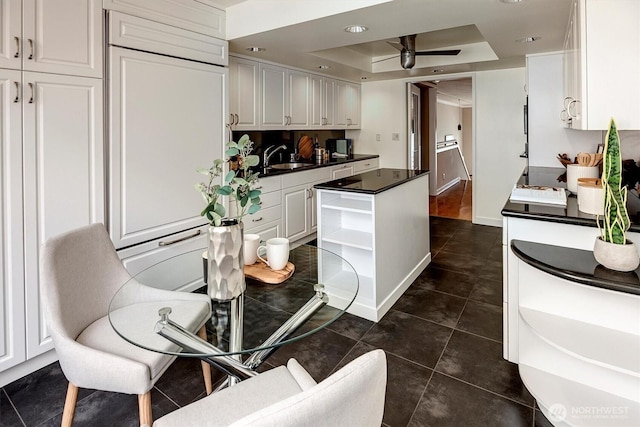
(288, 166)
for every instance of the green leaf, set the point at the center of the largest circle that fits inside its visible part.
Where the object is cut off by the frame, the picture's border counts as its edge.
(251, 160)
(253, 209)
(224, 191)
(243, 201)
(229, 176)
(241, 181)
(243, 139)
(232, 152)
(232, 144)
(254, 193)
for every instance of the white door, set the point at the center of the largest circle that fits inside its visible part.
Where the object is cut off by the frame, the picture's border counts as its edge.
(298, 99)
(63, 173)
(414, 128)
(273, 95)
(167, 121)
(63, 36)
(340, 112)
(12, 337)
(10, 34)
(296, 212)
(244, 93)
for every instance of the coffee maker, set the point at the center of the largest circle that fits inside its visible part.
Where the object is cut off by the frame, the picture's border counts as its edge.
(340, 147)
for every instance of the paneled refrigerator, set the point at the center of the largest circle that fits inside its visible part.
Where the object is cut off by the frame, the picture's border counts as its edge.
(167, 105)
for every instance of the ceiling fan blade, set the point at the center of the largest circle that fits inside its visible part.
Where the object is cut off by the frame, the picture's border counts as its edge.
(385, 59)
(451, 52)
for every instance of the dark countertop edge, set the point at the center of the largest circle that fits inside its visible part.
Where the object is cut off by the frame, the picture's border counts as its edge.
(508, 211)
(326, 186)
(571, 275)
(335, 162)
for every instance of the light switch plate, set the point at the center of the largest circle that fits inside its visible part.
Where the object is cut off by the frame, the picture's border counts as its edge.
(395, 136)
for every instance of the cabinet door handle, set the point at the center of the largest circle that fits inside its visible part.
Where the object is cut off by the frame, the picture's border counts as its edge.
(563, 115)
(181, 239)
(32, 93)
(572, 104)
(17, 54)
(565, 102)
(17, 98)
(237, 118)
(256, 219)
(230, 119)
(30, 48)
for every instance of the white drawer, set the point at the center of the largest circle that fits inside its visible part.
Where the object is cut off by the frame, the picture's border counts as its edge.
(366, 165)
(305, 177)
(261, 217)
(271, 199)
(267, 231)
(268, 184)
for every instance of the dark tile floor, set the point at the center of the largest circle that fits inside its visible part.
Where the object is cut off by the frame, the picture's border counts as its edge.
(443, 341)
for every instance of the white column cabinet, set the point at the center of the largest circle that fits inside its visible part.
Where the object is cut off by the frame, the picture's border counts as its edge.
(322, 101)
(63, 173)
(63, 36)
(12, 337)
(244, 94)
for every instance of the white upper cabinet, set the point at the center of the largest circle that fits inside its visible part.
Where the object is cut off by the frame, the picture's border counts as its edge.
(602, 65)
(285, 98)
(200, 16)
(322, 104)
(244, 94)
(353, 106)
(11, 34)
(62, 37)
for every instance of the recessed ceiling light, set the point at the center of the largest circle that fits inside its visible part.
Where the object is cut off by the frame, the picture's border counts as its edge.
(256, 49)
(355, 29)
(364, 78)
(324, 67)
(529, 39)
(439, 70)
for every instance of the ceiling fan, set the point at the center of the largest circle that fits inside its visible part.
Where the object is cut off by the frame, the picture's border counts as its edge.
(407, 48)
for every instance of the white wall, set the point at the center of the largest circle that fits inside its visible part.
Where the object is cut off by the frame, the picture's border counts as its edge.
(384, 111)
(499, 141)
(499, 97)
(448, 118)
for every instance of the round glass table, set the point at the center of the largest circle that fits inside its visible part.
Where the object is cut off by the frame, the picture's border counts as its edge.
(240, 333)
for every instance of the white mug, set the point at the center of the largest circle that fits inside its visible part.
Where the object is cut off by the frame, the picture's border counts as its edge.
(251, 243)
(277, 250)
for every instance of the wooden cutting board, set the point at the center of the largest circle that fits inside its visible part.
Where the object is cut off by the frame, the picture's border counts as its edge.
(261, 271)
(305, 147)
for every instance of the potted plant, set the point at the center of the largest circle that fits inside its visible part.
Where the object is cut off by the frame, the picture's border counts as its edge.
(225, 264)
(612, 249)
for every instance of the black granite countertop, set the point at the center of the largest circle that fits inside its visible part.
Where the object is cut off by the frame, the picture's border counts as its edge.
(567, 215)
(332, 162)
(372, 182)
(576, 265)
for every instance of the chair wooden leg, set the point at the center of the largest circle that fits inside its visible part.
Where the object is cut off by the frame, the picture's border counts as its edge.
(206, 368)
(69, 406)
(144, 405)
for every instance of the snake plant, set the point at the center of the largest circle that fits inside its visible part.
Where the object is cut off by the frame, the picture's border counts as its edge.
(616, 218)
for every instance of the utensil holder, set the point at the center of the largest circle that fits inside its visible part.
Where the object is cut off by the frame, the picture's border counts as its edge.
(575, 171)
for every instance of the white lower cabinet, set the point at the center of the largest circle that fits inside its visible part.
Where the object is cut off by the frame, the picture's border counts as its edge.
(267, 222)
(299, 212)
(342, 171)
(366, 165)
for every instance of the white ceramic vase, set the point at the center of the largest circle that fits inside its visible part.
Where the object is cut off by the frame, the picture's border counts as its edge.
(225, 261)
(616, 257)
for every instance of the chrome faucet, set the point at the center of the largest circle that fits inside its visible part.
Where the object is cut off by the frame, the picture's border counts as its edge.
(269, 152)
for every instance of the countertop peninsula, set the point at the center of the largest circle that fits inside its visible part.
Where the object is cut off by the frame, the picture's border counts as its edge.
(546, 176)
(372, 182)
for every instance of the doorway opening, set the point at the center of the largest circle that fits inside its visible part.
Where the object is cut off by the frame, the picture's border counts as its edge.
(440, 138)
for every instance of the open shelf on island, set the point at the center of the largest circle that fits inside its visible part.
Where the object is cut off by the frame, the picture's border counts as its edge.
(352, 238)
(349, 205)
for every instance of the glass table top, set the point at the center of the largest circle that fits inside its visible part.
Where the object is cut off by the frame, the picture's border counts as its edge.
(321, 278)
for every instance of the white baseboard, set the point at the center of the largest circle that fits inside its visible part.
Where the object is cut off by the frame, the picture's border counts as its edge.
(448, 185)
(27, 367)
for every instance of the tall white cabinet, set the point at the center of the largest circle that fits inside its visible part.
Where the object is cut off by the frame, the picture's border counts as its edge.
(52, 155)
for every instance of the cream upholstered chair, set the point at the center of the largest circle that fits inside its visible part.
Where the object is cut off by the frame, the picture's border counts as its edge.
(79, 274)
(288, 396)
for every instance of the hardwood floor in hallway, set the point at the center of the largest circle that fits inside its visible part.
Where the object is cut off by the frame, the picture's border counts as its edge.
(453, 203)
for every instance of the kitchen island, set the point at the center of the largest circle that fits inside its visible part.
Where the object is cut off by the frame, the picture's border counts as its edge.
(378, 221)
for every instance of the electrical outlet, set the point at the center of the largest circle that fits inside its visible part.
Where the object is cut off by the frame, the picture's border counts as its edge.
(378, 137)
(395, 136)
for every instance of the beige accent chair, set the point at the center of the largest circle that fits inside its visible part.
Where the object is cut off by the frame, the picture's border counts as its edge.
(288, 396)
(79, 274)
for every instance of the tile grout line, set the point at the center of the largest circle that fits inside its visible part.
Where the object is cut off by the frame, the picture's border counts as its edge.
(13, 406)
